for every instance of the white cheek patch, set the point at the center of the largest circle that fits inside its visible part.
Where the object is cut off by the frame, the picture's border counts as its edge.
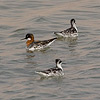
(29, 39)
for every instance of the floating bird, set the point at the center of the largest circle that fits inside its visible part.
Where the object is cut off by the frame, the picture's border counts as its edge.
(70, 32)
(37, 45)
(56, 71)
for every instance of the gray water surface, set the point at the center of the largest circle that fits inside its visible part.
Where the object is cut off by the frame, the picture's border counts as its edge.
(81, 57)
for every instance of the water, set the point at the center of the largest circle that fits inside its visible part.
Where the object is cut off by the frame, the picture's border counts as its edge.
(81, 57)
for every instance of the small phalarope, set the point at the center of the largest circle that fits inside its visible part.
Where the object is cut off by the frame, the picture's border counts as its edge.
(70, 32)
(37, 45)
(56, 71)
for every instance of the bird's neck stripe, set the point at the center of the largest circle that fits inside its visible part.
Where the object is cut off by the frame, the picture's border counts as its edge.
(59, 66)
(74, 25)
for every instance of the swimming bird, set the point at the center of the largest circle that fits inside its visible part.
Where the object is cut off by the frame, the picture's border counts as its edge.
(70, 32)
(32, 45)
(56, 71)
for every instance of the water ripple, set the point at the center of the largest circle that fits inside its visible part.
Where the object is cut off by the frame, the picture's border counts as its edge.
(80, 56)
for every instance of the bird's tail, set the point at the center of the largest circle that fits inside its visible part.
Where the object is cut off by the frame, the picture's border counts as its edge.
(40, 73)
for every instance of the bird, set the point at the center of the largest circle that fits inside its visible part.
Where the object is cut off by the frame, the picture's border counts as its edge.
(32, 45)
(56, 71)
(70, 32)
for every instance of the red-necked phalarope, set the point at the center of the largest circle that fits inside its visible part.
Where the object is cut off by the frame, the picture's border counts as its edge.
(70, 32)
(56, 71)
(37, 45)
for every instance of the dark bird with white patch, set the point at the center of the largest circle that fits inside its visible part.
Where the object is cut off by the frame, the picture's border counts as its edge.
(32, 45)
(70, 32)
(56, 71)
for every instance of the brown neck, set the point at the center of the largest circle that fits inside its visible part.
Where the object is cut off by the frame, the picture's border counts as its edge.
(29, 41)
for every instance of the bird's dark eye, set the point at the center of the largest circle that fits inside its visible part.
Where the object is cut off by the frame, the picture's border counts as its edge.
(60, 61)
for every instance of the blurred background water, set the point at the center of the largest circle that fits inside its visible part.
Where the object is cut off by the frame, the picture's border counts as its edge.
(42, 17)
